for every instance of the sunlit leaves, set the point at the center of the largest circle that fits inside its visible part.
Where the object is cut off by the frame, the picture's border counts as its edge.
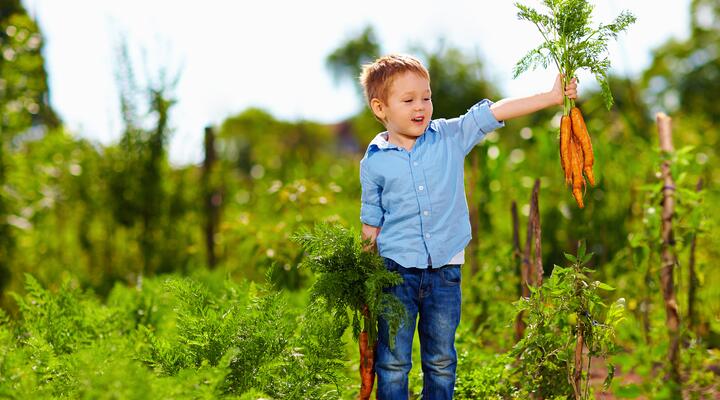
(566, 305)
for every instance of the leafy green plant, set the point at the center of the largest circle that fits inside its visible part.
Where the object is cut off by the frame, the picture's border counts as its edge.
(570, 42)
(565, 316)
(65, 320)
(485, 377)
(350, 279)
(252, 334)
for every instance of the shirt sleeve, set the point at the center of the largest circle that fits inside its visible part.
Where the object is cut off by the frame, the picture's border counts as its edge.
(371, 212)
(469, 129)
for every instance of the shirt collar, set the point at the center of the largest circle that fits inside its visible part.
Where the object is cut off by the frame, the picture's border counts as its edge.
(380, 142)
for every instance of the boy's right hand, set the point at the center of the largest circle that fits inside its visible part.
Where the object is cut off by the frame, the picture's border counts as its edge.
(371, 233)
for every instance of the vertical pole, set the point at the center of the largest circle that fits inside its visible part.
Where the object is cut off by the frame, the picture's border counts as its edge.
(517, 261)
(212, 197)
(672, 317)
(527, 275)
(537, 233)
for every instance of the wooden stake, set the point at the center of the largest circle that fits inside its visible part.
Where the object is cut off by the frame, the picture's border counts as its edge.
(527, 275)
(537, 233)
(212, 199)
(672, 317)
(517, 261)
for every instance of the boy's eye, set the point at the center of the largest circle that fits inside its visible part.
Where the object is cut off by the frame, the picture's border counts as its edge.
(407, 101)
(427, 99)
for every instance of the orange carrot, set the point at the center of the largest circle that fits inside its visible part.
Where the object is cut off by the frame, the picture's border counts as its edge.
(565, 136)
(367, 361)
(578, 179)
(580, 133)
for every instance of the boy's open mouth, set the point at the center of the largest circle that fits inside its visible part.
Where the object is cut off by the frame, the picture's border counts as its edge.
(418, 119)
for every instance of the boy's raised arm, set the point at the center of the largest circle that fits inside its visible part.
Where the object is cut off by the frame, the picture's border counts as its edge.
(518, 106)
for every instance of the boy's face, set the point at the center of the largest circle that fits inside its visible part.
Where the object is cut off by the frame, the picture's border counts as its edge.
(408, 109)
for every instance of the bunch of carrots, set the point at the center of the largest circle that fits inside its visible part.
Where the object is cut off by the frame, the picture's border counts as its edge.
(576, 153)
(572, 44)
(350, 278)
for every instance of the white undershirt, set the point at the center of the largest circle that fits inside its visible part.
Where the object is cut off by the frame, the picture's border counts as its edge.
(458, 258)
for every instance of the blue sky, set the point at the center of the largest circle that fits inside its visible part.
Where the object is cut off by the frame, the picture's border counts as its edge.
(271, 54)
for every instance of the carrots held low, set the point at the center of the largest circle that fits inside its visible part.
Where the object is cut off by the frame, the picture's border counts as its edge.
(367, 361)
(576, 153)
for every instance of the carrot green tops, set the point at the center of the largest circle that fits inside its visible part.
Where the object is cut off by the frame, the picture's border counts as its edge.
(418, 197)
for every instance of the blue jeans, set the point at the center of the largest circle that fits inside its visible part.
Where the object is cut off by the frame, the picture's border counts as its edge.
(434, 294)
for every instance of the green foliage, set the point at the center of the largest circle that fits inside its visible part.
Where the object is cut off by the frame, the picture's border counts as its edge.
(66, 321)
(347, 60)
(485, 377)
(570, 42)
(253, 337)
(565, 306)
(23, 104)
(350, 278)
(227, 342)
(684, 71)
(138, 165)
(23, 80)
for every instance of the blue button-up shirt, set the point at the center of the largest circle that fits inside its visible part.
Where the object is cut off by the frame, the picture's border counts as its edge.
(418, 197)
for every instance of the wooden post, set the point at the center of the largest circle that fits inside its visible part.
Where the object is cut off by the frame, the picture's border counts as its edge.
(533, 265)
(672, 317)
(578, 362)
(517, 261)
(527, 275)
(537, 232)
(213, 198)
(531, 270)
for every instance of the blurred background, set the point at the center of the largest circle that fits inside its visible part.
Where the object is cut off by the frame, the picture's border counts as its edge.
(145, 139)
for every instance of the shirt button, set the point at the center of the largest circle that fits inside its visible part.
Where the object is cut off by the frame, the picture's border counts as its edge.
(421, 187)
(427, 235)
(426, 213)
(415, 163)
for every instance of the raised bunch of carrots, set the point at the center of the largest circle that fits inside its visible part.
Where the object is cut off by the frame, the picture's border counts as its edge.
(576, 154)
(572, 44)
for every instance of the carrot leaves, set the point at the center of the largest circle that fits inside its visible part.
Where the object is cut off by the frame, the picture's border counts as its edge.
(570, 41)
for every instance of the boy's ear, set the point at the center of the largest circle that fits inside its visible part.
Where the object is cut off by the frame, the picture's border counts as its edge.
(378, 108)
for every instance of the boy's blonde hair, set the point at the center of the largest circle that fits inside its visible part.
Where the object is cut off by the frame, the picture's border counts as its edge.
(377, 76)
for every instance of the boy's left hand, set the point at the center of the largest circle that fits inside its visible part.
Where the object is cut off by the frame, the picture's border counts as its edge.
(570, 90)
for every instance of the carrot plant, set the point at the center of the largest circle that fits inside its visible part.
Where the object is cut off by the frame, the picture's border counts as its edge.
(572, 44)
(228, 340)
(568, 327)
(351, 280)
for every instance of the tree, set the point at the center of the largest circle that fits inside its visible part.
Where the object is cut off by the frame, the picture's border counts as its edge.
(23, 100)
(682, 73)
(347, 60)
(139, 164)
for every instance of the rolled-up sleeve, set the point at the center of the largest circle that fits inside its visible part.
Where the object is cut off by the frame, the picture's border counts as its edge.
(371, 212)
(472, 127)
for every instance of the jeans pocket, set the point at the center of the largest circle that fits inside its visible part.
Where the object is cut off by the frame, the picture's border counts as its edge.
(451, 275)
(391, 265)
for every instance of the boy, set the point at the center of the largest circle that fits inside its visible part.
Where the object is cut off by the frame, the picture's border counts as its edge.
(415, 212)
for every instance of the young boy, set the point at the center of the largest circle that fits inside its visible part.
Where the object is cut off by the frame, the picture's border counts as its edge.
(414, 210)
